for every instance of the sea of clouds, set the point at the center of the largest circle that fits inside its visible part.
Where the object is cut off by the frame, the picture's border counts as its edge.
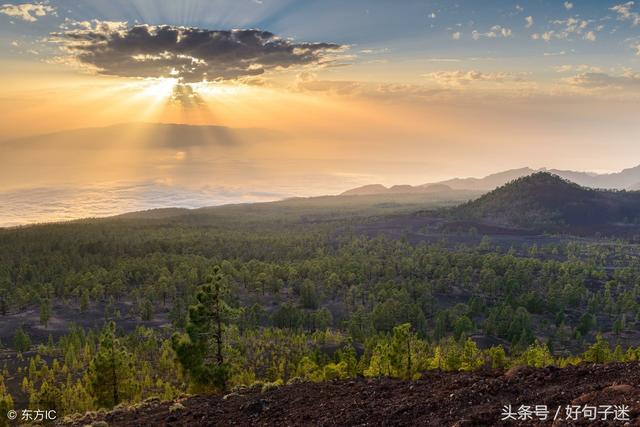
(64, 203)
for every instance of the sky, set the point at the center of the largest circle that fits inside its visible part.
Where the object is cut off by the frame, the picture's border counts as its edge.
(341, 93)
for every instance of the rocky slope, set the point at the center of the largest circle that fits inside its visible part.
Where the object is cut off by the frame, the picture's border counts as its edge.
(436, 399)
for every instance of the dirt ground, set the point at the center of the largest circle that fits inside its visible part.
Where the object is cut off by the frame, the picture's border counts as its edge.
(437, 399)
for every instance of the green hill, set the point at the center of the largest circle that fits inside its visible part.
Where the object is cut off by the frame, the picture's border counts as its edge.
(549, 202)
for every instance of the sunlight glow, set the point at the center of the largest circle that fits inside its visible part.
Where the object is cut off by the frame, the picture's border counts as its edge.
(159, 89)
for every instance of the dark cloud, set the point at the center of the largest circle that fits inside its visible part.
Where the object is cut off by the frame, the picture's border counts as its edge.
(190, 54)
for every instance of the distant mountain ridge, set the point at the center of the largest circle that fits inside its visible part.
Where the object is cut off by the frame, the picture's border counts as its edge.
(627, 179)
(549, 202)
(377, 189)
(167, 135)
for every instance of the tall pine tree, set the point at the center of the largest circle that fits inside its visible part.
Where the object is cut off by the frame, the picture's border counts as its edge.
(111, 371)
(200, 349)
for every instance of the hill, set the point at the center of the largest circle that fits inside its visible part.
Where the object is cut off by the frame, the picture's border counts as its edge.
(549, 202)
(438, 398)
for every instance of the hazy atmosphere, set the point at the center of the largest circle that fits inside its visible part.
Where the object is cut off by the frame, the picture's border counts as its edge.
(319, 213)
(310, 98)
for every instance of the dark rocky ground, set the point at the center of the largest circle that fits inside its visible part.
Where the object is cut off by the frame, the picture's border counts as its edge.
(437, 399)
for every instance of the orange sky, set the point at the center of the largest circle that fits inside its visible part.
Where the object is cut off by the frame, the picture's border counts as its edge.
(406, 105)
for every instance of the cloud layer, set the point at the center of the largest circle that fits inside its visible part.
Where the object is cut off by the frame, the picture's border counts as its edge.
(188, 54)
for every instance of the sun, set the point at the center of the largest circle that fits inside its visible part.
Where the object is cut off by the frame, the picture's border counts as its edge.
(158, 89)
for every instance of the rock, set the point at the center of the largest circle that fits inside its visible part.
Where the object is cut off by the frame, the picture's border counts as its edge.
(257, 407)
(620, 388)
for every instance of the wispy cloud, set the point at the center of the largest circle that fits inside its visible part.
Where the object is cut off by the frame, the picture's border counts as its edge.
(496, 31)
(629, 80)
(529, 21)
(559, 53)
(29, 12)
(566, 28)
(625, 12)
(457, 78)
(582, 68)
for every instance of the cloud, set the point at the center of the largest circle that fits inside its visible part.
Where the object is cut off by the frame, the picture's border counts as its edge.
(625, 13)
(559, 53)
(185, 96)
(375, 51)
(637, 48)
(63, 203)
(529, 20)
(546, 36)
(456, 35)
(187, 53)
(29, 12)
(583, 68)
(564, 68)
(495, 32)
(590, 80)
(568, 5)
(308, 82)
(457, 78)
(569, 27)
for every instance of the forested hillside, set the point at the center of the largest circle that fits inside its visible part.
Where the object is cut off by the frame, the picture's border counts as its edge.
(287, 297)
(547, 202)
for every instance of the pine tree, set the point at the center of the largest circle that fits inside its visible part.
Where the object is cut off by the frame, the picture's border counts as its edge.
(599, 352)
(45, 311)
(536, 355)
(200, 349)
(111, 371)
(6, 403)
(84, 301)
(471, 359)
(497, 357)
(21, 341)
(348, 356)
(5, 293)
(403, 355)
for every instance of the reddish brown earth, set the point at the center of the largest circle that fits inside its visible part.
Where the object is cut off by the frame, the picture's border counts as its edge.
(438, 399)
